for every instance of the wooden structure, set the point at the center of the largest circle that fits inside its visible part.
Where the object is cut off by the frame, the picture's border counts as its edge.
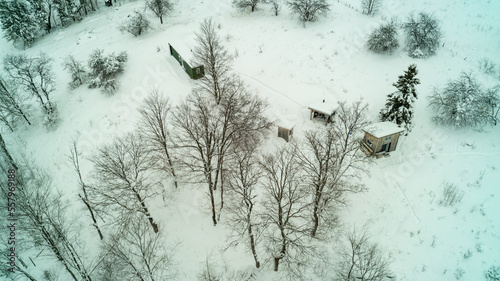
(380, 138)
(323, 112)
(193, 72)
(285, 130)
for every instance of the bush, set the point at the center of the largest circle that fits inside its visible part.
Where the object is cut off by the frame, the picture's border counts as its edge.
(383, 39)
(422, 34)
(104, 69)
(135, 24)
(487, 66)
(493, 274)
(451, 195)
(462, 103)
(308, 10)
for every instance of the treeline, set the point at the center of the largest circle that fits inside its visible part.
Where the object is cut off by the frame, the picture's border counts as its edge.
(24, 21)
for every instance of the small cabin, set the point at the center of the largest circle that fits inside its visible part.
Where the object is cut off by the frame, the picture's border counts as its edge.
(193, 72)
(285, 130)
(380, 138)
(322, 112)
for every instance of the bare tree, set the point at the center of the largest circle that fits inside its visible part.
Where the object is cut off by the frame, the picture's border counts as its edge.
(135, 24)
(423, 35)
(77, 71)
(276, 5)
(207, 131)
(124, 179)
(371, 7)
(244, 4)
(214, 57)
(362, 260)
(285, 207)
(160, 7)
(197, 133)
(242, 182)
(154, 127)
(43, 215)
(308, 10)
(383, 40)
(333, 163)
(134, 252)
(11, 106)
(463, 103)
(34, 75)
(74, 159)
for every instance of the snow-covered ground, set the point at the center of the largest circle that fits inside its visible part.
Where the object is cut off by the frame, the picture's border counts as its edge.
(292, 67)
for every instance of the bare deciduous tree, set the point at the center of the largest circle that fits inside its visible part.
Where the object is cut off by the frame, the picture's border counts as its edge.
(74, 159)
(276, 5)
(362, 260)
(125, 179)
(43, 215)
(77, 71)
(11, 106)
(244, 4)
(308, 10)
(242, 182)
(423, 35)
(371, 7)
(160, 7)
(286, 208)
(135, 24)
(214, 57)
(153, 125)
(333, 162)
(207, 131)
(463, 103)
(34, 75)
(134, 252)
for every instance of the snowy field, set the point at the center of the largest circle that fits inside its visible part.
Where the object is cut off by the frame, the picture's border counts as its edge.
(293, 66)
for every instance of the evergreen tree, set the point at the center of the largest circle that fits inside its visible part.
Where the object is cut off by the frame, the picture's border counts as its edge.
(399, 105)
(18, 22)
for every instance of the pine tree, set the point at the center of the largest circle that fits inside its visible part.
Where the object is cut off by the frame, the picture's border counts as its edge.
(18, 22)
(399, 105)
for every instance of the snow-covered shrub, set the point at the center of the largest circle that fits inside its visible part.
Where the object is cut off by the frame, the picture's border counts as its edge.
(308, 10)
(493, 274)
(399, 105)
(104, 69)
(77, 71)
(462, 103)
(51, 118)
(422, 34)
(383, 40)
(135, 24)
(488, 67)
(451, 195)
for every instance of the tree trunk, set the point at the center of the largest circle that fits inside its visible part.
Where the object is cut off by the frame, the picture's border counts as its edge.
(146, 212)
(170, 164)
(252, 240)
(91, 215)
(161, 19)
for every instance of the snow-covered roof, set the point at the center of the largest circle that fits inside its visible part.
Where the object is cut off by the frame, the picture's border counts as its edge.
(183, 48)
(324, 107)
(286, 123)
(382, 129)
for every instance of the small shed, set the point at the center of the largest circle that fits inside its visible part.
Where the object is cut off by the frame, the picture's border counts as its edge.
(285, 129)
(323, 112)
(193, 72)
(380, 138)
